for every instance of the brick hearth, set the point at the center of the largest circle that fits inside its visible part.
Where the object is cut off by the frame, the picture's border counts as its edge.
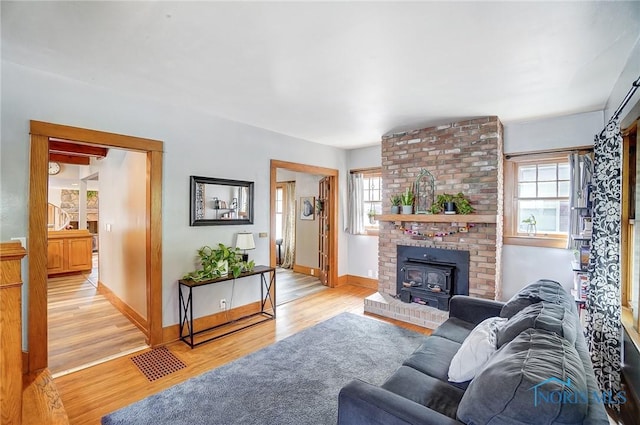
(466, 157)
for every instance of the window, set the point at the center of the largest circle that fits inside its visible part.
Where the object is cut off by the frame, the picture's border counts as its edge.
(537, 200)
(279, 201)
(365, 201)
(372, 198)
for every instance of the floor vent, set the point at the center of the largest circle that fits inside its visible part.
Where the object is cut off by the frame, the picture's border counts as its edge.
(157, 363)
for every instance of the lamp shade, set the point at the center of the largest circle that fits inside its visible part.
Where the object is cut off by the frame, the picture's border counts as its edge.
(245, 241)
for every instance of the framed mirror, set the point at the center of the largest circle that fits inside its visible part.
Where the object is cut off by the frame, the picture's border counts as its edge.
(216, 202)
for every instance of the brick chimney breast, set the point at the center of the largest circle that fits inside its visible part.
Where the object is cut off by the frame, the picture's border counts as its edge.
(464, 156)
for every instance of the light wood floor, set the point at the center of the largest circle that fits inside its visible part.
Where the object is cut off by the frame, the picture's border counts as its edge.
(91, 393)
(83, 325)
(291, 285)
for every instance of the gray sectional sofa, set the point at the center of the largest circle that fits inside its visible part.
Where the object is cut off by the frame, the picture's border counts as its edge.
(540, 374)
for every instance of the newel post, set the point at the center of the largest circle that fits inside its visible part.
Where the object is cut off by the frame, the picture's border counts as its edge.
(11, 254)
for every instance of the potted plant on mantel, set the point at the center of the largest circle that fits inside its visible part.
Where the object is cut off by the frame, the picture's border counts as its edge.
(452, 204)
(396, 200)
(218, 262)
(406, 199)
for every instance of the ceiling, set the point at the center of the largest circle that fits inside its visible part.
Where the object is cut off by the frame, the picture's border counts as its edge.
(337, 73)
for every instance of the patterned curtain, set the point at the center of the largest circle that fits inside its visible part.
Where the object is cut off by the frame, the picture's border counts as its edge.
(355, 222)
(289, 226)
(603, 299)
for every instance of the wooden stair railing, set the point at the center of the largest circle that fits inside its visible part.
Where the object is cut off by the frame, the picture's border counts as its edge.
(11, 254)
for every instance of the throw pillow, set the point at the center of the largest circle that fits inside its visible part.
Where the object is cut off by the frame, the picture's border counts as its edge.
(475, 350)
(541, 290)
(526, 381)
(547, 316)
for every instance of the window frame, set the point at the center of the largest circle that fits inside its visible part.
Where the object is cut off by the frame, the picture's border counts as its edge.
(511, 234)
(371, 229)
(279, 188)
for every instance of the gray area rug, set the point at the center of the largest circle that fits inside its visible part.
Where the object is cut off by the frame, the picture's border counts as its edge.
(294, 381)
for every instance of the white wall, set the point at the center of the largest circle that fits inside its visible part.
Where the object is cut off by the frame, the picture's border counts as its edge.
(122, 232)
(194, 144)
(307, 231)
(522, 265)
(363, 249)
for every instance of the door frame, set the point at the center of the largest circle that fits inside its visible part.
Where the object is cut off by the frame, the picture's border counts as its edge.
(332, 174)
(40, 132)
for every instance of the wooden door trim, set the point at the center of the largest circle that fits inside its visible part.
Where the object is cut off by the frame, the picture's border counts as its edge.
(332, 174)
(38, 185)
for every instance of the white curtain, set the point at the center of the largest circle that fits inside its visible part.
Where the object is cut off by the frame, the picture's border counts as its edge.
(355, 221)
(580, 175)
(289, 225)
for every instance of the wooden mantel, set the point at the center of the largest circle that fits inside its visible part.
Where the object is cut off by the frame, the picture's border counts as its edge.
(11, 254)
(439, 218)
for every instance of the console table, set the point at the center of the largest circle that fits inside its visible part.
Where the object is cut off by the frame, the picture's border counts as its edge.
(185, 304)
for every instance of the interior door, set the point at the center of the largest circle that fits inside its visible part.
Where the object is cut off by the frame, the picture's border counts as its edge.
(323, 230)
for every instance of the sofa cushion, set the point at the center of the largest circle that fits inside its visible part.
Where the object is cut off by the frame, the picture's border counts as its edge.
(454, 329)
(476, 350)
(424, 389)
(541, 290)
(433, 357)
(534, 365)
(547, 316)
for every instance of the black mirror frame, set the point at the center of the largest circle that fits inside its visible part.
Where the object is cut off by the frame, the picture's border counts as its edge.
(195, 180)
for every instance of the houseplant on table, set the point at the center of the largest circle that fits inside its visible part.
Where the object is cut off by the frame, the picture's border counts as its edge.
(406, 199)
(218, 262)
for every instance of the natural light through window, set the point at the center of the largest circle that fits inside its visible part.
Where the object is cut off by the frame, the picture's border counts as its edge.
(372, 191)
(543, 197)
(279, 200)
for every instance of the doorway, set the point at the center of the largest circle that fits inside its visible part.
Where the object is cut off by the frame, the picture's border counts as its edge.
(327, 250)
(41, 133)
(95, 315)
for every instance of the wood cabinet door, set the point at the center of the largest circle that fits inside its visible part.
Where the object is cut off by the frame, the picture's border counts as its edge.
(79, 254)
(55, 256)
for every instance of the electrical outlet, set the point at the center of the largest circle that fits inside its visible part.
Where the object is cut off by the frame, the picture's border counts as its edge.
(370, 273)
(313, 272)
(223, 304)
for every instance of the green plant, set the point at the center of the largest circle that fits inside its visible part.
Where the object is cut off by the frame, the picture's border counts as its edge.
(407, 197)
(396, 200)
(463, 205)
(531, 224)
(218, 262)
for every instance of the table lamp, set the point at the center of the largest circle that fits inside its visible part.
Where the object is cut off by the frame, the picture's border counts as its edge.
(244, 241)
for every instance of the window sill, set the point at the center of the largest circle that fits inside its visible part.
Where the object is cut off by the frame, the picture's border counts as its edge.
(627, 322)
(371, 231)
(539, 241)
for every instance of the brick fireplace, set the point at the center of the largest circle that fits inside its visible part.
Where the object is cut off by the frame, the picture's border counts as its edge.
(464, 156)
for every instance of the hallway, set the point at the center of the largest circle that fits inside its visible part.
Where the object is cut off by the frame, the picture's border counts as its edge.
(84, 328)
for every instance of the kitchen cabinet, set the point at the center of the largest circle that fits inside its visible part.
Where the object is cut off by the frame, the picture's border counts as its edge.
(69, 251)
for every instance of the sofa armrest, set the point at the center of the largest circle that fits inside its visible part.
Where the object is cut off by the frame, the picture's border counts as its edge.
(360, 403)
(473, 310)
